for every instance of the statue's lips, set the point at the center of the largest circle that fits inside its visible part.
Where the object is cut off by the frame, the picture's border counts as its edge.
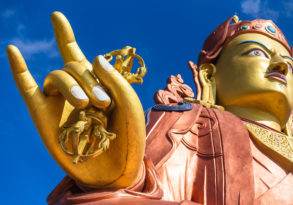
(277, 76)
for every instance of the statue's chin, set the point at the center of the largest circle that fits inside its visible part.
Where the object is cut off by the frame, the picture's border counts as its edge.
(272, 101)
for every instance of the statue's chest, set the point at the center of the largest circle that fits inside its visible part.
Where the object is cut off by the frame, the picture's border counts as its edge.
(177, 173)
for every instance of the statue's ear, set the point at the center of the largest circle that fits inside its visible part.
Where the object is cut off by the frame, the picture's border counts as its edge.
(207, 80)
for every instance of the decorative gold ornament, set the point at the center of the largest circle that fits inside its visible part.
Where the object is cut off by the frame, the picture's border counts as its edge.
(87, 137)
(236, 19)
(273, 141)
(124, 61)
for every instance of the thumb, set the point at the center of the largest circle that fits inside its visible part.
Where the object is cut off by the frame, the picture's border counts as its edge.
(127, 119)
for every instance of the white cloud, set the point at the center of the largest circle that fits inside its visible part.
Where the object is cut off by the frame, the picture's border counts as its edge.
(28, 47)
(288, 7)
(20, 28)
(259, 9)
(251, 7)
(31, 47)
(270, 14)
(7, 13)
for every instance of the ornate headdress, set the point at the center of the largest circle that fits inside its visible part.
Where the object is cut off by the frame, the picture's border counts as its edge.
(232, 28)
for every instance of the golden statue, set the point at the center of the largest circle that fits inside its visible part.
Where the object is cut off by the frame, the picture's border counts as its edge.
(231, 143)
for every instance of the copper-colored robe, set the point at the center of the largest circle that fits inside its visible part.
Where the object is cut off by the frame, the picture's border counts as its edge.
(199, 156)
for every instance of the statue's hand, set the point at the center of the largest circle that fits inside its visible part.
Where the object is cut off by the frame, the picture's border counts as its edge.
(77, 86)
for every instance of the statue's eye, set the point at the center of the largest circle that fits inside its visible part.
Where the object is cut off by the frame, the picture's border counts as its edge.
(257, 52)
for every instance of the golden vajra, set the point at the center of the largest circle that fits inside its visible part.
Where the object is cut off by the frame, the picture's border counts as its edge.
(124, 61)
(88, 136)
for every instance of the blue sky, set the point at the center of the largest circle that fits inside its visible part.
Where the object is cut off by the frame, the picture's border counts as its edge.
(166, 34)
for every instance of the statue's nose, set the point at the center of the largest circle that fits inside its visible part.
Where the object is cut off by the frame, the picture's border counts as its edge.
(278, 64)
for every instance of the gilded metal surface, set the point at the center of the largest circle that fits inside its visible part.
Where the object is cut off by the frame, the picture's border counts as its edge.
(243, 87)
(274, 141)
(204, 78)
(87, 137)
(124, 61)
(75, 89)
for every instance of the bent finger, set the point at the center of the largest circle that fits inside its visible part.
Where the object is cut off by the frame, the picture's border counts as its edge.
(60, 82)
(98, 96)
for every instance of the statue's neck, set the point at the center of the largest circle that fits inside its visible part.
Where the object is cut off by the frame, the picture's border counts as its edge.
(256, 115)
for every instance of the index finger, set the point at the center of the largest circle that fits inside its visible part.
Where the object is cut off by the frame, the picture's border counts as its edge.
(67, 44)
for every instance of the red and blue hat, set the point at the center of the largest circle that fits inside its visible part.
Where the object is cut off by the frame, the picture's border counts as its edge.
(231, 28)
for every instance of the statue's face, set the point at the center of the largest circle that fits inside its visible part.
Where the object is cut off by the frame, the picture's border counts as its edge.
(255, 71)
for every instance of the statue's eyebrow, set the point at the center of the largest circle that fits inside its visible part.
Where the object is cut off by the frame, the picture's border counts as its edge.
(288, 57)
(263, 46)
(258, 43)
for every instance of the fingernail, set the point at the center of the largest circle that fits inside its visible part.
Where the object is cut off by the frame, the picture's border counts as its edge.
(78, 93)
(105, 64)
(100, 93)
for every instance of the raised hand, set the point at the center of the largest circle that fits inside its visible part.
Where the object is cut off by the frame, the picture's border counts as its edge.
(81, 85)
